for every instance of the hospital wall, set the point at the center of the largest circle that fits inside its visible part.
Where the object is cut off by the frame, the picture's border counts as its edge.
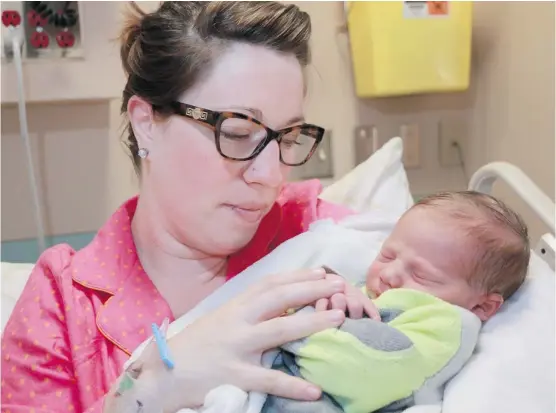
(508, 114)
(513, 110)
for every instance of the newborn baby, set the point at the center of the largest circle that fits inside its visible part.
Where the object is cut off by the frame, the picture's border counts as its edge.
(448, 266)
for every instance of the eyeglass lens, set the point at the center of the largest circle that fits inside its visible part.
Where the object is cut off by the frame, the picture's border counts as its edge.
(239, 138)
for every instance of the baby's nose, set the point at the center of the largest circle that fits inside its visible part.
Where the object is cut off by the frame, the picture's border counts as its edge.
(391, 279)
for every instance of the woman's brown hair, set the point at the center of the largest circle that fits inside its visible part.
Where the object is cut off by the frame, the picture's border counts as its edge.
(167, 51)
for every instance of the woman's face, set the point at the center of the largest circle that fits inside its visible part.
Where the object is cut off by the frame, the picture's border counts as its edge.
(204, 201)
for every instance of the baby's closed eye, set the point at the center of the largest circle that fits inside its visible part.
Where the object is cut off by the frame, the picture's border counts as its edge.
(424, 277)
(387, 255)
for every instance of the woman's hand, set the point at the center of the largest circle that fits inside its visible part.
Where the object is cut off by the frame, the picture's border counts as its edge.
(225, 346)
(351, 301)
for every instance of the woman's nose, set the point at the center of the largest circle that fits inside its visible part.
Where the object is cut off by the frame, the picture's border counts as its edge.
(266, 169)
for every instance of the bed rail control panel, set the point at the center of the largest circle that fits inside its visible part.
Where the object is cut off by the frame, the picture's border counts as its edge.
(320, 165)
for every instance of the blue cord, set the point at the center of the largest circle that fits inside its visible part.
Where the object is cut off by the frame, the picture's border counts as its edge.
(162, 347)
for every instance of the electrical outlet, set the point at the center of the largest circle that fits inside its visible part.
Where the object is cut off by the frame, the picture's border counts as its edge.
(366, 142)
(449, 152)
(451, 137)
(6, 49)
(411, 145)
(58, 35)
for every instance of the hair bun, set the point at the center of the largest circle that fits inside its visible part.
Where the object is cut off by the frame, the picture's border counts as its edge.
(133, 18)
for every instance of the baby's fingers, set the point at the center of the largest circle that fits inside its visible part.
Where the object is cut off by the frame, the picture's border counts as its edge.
(371, 310)
(355, 307)
(338, 302)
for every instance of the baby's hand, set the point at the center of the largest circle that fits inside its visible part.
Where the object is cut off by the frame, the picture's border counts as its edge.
(352, 301)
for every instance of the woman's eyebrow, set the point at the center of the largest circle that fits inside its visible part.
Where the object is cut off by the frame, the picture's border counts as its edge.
(296, 119)
(258, 114)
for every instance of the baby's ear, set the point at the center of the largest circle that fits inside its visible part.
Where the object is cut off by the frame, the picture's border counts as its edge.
(488, 306)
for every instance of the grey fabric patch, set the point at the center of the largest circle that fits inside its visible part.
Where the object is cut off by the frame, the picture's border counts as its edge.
(387, 315)
(398, 406)
(290, 364)
(286, 363)
(376, 334)
(282, 405)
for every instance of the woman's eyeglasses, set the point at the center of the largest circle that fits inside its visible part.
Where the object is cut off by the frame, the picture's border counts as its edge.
(241, 137)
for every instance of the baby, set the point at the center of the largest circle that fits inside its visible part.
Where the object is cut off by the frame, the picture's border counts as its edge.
(448, 266)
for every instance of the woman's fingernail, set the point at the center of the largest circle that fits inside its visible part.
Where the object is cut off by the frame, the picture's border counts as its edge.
(319, 271)
(338, 284)
(313, 393)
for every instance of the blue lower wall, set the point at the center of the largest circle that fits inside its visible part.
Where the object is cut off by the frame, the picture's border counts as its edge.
(28, 251)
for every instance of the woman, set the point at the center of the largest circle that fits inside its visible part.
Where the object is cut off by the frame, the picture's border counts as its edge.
(214, 100)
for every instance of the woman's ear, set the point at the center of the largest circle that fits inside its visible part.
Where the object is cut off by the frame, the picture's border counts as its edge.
(488, 306)
(141, 117)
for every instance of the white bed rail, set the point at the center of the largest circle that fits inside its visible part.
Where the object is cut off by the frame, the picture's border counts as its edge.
(483, 181)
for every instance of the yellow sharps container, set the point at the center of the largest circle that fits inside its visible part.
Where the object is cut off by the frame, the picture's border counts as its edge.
(409, 47)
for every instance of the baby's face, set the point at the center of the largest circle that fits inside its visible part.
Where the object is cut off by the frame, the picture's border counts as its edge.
(425, 252)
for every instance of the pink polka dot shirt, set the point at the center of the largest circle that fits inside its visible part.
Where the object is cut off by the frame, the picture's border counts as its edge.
(83, 312)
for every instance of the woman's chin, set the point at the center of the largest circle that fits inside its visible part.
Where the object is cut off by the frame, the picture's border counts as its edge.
(232, 238)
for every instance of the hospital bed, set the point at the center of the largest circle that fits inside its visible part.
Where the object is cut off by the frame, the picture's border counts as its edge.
(513, 368)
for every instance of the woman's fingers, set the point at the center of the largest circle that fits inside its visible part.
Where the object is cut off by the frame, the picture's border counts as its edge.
(274, 280)
(279, 299)
(273, 333)
(280, 384)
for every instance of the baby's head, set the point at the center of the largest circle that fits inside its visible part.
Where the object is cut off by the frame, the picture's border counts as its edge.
(466, 248)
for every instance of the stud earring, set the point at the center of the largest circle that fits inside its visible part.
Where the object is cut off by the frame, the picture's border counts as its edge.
(143, 153)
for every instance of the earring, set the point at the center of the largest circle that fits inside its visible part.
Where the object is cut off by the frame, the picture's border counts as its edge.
(143, 153)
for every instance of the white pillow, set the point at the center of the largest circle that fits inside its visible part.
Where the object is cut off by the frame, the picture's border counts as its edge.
(378, 184)
(14, 277)
(513, 367)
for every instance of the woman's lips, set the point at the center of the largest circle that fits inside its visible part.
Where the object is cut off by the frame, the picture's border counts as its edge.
(250, 215)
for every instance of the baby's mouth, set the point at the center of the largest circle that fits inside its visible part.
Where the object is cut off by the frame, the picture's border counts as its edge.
(372, 293)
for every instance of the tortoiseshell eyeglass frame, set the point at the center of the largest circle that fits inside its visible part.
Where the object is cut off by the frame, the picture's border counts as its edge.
(214, 120)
